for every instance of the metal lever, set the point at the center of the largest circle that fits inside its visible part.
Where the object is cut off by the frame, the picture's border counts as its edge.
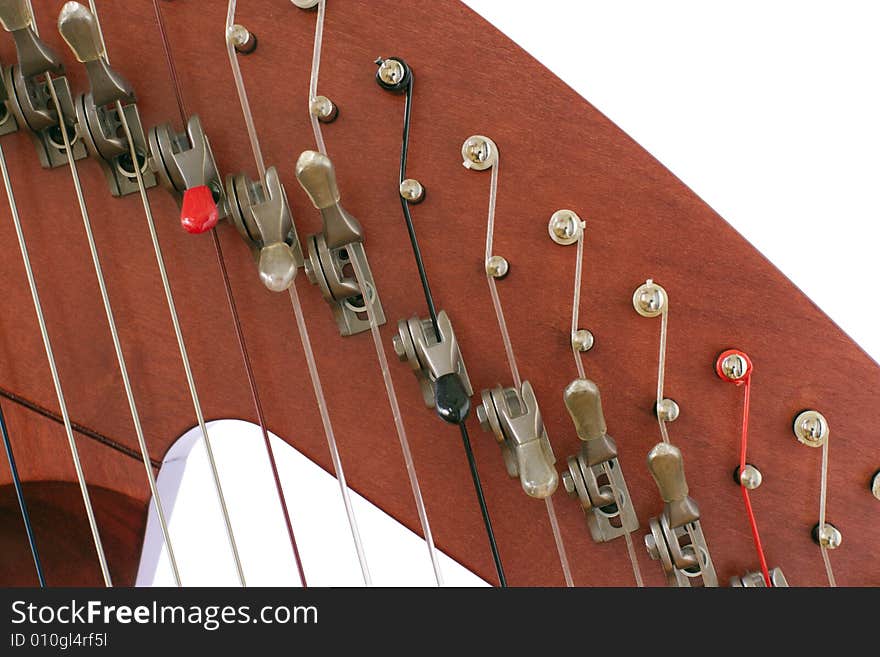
(184, 164)
(332, 252)
(80, 30)
(515, 419)
(34, 56)
(756, 579)
(594, 475)
(676, 538)
(437, 363)
(261, 214)
(30, 101)
(98, 110)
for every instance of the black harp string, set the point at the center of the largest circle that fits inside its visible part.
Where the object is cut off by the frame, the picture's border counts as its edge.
(233, 309)
(22, 504)
(432, 311)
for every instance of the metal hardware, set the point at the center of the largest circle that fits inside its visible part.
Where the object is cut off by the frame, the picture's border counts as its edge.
(667, 410)
(565, 227)
(582, 340)
(594, 474)
(242, 39)
(434, 359)
(756, 579)
(479, 153)
(184, 161)
(29, 97)
(830, 538)
(97, 111)
(649, 299)
(676, 538)
(811, 428)
(412, 191)
(497, 266)
(330, 252)
(323, 109)
(306, 4)
(261, 213)
(733, 365)
(515, 419)
(750, 477)
(875, 485)
(393, 74)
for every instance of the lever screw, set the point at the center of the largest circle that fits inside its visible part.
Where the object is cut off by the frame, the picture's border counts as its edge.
(497, 266)
(242, 40)
(412, 191)
(582, 340)
(323, 109)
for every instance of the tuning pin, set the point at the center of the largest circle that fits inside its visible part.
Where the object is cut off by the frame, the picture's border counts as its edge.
(676, 538)
(184, 164)
(438, 365)
(339, 245)
(262, 215)
(596, 461)
(515, 419)
(393, 74)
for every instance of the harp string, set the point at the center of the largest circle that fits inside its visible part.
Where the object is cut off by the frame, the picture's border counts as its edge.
(511, 359)
(172, 310)
(300, 318)
(74, 450)
(579, 364)
(22, 503)
(432, 312)
(390, 392)
(236, 321)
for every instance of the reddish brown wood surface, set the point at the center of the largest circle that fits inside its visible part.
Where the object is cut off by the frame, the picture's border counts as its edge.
(556, 151)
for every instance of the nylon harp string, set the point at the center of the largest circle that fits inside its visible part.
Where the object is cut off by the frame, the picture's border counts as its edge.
(579, 365)
(298, 313)
(236, 322)
(511, 358)
(175, 320)
(390, 392)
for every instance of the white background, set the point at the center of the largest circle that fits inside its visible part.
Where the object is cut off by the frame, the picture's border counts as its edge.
(768, 110)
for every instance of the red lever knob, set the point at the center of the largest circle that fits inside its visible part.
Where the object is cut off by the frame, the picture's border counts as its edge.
(198, 214)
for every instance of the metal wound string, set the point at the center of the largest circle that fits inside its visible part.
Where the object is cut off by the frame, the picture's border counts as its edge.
(579, 364)
(93, 525)
(236, 323)
(511, 359)
(177, 332)
(298, 313)
(22, 503)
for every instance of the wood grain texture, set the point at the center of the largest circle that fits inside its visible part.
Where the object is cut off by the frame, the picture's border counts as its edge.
(557, 151)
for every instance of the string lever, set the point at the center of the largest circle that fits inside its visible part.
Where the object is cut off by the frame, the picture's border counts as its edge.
(184, 164)
(594, 475)
(437, 363)
(332, 251)
(262, 215)
(101, 111)
(29, 98)
(676, 538)
(515, 419)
